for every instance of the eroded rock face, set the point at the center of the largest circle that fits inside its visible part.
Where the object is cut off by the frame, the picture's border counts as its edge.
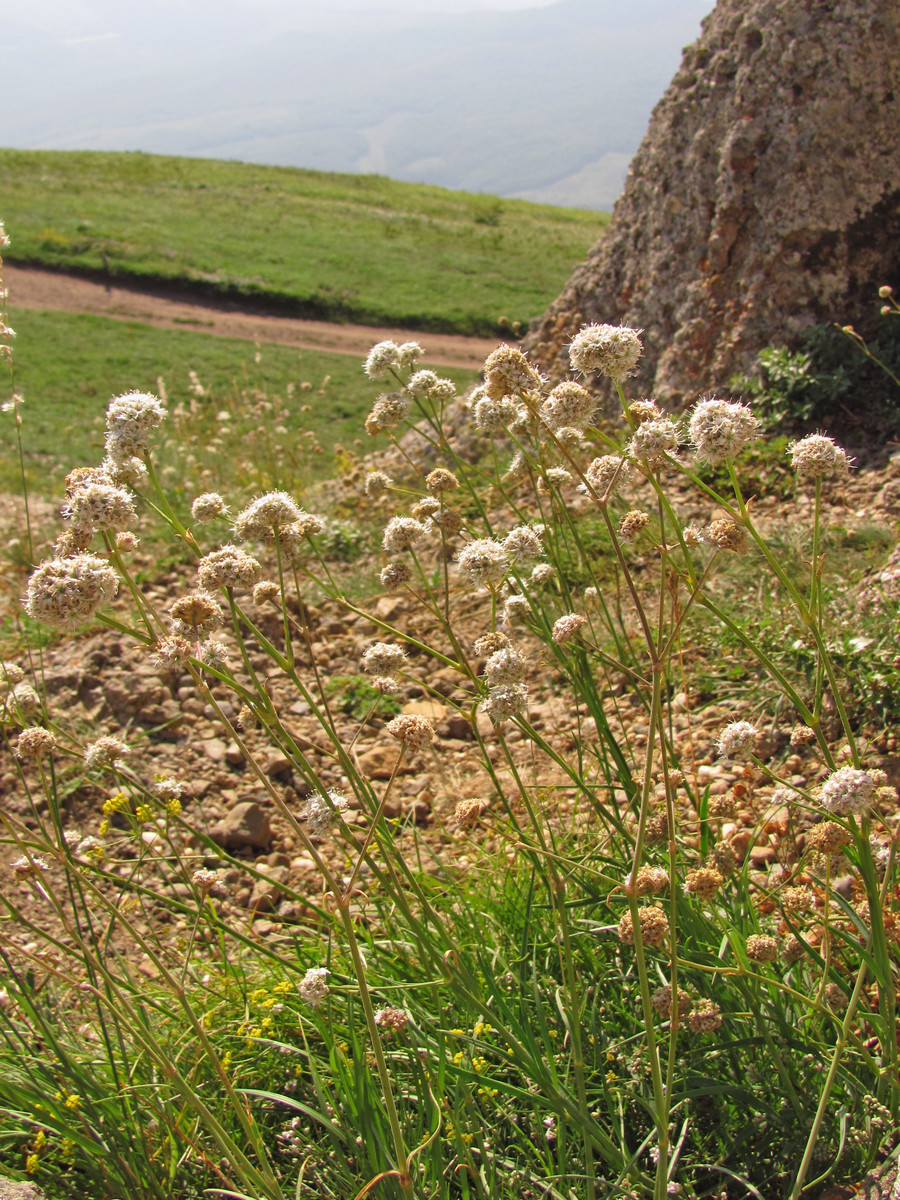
(764, 199)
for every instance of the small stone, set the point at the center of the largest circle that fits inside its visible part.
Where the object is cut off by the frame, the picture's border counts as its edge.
(215, 749)
(379, 763)
(246, 826)
(234, 755)
(277, 764)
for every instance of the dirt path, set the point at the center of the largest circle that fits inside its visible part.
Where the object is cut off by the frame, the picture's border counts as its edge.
(37, 289)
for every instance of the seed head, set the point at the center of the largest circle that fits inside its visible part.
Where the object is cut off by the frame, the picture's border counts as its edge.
(266, 516)
(654, 927)
(568, 405)
(723, 857)
(468, 812)
(649, 881)
(105, 752)
(508, 372)
(208, 506)
(402, 533)
(720, 429)
(495, 416)
(10, 674)
(705, 1017)
(802, 735)
(504, 703)
(726, 535)
(412, 731)
(643, 410)
(20, 703)
(848, 791)
(441, 480)
(484, 562)
(196, 614)
(828, 838)
(395, 574)
(313, 987)
(612, 350)
(381, 358)
(703, 883)
(761, 948)
(409, 352)
(34, 742)
(64, 592)
(835, 997)
(654, 443)
(130, 420)
(377, 483)
(387, 412)
(517, 611)
(796, 900)
(737, 740)
(383, 659)
(504, 667)
(607, 475)
(818, 457)
(662, 1001)
(228, 567)
(632, 524)
(391, 1020)
(204, 880)
(566, 627)
(172, 651)
(322, 812)
(266, 592)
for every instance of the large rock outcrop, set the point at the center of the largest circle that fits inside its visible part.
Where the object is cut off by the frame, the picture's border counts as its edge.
(765, 197)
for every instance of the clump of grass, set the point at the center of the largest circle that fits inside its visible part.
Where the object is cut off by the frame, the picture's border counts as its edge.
(652, 954)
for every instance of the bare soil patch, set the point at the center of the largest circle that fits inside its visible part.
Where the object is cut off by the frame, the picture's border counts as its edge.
(31, 287)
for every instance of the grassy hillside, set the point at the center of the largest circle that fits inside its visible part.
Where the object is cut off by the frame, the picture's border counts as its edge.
(348, 247)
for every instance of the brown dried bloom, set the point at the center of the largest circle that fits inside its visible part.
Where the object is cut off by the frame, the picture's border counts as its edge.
(208, 506)
(381, 658)
(828, 838)
(402, 533)
(441, 480)
(607, 475)
(508, 372)
(566, 627)
(196, 613)
(377, 483)
(204, 880)
(792, 949)
(632, 524)
(662, 1001)
(426, 507)
(20, 703)
(11, 674)
(722, 806)
(265, 592)
(483, 562)
(64, 592)
(657, 829)
(449, 520)
(505, 667)
(468, 812)
(835, 997)
(725, 534)
(568, 405)
(796, 900)
(724, 858)
(649, 881)
(654, 927)
(705, 1017)
(489, 643)
(703, 883)
(761, 948)
(412, 731)
(105, 752)
(171, 651)
(643, 410)
(612, 350)
(34, 742)
(266, 516)
(395, 575)
(228, 567)
(802, 735)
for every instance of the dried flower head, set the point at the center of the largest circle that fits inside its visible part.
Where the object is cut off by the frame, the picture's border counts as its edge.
(649, 881)
(848, 791)
(20, 704)
(322, 812)
(508, 372)
(612, 350)
(97, 507)
(391, 1020)
(504, 667)
(388, 411)
(726, 534)
(402, 533)
(441, 480)
(643, 410)
(171, 652)
(313, 987)
(737, 740)
(543, 573)
(34, 742)
(377, 483)
(566, 627)
(504, 703)
(409, 352)
(828, 838)
(381, 358)
(517, 611)
(654, 926)
(126, 542)
(208, 506)
(10, 674)
(383, 659)
(213, 653)
(658, 829)
(264, 517)
(720, 429)
(204, 880)
(835, 997)
(523, 544)
(761, 948)
(105, 752)
(569, 404)
(796, 900)
(395, 574)
(607, 475)
(28, 866)
(196, 614)
(229, 566)
(266, 592)
(64, 592)
(705, 1017)
(488, 643)
(468, 812)
(412, 731)
(723, 806)
(385, 685)
(703, 883)
(130, 419)
(723, 857)
(818, 457)
(425, 508)
(632, 524)
(553, 477)
(661, 1001)
(484, 562)
(654, 443)
(802, 735)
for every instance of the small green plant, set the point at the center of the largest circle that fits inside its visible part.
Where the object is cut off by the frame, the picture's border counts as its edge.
(356, 697)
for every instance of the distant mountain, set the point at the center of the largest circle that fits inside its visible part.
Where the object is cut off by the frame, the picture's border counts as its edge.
(546, 104)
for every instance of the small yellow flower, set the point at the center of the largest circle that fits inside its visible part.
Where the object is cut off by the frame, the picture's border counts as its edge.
(481, 1027)
(31, 1164)
(281, 989)
(266, 1023)
(103, 828)
(173, 806)
(467, 1138)
(67, 1146)
(73, 1101)
(457, 1058)
(256, 996)
(226, 1060)
(479, 1064)
(116, 803)
(143, 813)
(611, 1077)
